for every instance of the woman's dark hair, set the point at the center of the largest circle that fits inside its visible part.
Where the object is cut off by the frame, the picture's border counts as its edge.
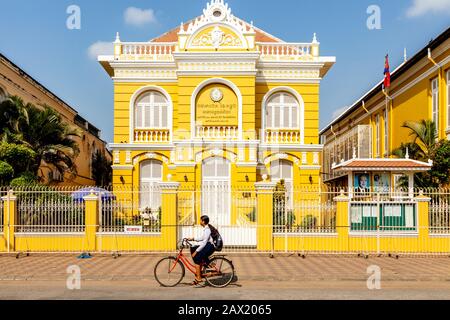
(205, 219)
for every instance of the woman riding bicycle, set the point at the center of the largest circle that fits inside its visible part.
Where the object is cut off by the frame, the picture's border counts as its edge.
(205, 249)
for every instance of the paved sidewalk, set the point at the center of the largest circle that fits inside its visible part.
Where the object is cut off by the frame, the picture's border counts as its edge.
(248, 268)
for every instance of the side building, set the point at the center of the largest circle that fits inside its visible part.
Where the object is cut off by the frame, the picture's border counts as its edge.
(366, 134)
(14, 81)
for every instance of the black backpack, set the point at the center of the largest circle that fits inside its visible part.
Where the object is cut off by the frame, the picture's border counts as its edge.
(217, 238)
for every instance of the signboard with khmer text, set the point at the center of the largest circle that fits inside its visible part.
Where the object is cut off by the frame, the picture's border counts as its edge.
(217, 106)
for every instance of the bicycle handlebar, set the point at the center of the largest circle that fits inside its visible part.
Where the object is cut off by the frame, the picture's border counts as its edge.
(186, 242)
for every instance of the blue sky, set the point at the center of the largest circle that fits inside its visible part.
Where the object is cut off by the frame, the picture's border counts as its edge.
(33, 34)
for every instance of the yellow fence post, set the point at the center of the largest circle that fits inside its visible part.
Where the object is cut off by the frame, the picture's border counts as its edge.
(169, 202)
(264, 195)
(423, 221)
(342, 221)
(9, 220)
(91, 221)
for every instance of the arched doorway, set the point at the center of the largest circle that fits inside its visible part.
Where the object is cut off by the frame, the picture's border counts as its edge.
(216, 190)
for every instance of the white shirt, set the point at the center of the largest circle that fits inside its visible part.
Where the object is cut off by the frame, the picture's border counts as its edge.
(206, 237)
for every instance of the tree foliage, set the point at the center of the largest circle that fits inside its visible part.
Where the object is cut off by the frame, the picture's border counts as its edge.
(35, 137)
(424, 147)
(101, 170)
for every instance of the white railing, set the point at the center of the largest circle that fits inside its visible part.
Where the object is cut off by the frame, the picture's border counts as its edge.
(131, 207)
(439, 210)
(47, 210)
(147, 51)
(282, 136)
(284, 51)
(151, 136)
(223, 133)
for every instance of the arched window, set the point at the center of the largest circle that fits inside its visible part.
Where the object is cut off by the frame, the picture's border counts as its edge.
(283, 170)
(282, 112)
(2, 95)
(151, 111)
(151, 173)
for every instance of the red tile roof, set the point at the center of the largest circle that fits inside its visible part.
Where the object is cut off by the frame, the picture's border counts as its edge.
(383, 164)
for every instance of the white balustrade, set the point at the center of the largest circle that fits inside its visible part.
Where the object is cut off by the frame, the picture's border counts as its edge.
(284, 51)
(217, 132)
(151, 136)
(148, 51)
(283, 136)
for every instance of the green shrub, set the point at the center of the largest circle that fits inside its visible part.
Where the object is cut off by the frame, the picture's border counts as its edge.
(6, 173)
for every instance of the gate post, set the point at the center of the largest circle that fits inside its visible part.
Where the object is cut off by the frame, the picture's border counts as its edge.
(9, 220)
(264, 194)
(91, 221)
(342, 222)
(423, 223)
(169, 215)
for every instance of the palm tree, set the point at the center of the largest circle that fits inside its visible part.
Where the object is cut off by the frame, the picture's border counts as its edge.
(423, 148)
(52, 139)
(425, 137)
(12, 111)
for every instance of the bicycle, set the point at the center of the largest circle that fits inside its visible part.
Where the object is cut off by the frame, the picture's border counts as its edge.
(170, 271)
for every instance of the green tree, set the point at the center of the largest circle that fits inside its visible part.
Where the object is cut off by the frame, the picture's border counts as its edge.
(101, 169)
(424, 147)
(6, 173)
(50, 138)
(19, 157)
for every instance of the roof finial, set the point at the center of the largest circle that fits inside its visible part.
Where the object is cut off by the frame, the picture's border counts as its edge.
(405, 57)
(407, 153)
(182, 28)
(354, 153)
(315, 38)
(117, 37)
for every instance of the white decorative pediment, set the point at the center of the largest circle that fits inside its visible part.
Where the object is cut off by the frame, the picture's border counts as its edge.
(217, 27)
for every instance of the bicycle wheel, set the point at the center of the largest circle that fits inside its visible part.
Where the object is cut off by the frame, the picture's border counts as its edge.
(169, 272)
(219, 273)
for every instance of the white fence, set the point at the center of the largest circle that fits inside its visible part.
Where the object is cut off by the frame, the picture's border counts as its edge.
(128, 208)
(48, 210)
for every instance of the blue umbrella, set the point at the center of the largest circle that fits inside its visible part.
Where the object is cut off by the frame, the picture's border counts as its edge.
(80, 194)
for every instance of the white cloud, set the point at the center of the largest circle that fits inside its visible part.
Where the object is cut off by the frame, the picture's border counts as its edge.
(338, 112)
(138, 17)
(100, 48)
(422, 7)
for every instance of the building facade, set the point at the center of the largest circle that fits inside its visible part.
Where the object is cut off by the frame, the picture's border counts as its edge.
(216, 104)
(372, 127)
(16, 82)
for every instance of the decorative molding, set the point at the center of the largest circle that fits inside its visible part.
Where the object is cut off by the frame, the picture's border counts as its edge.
(274, 74)
(128, 167)
(144, 74)
(253, 154)
(246, 164)
(116, 157)
(172, 186)
(315, 158)
(241, 154)
(128, 157)
(304, 158)
(265, 186)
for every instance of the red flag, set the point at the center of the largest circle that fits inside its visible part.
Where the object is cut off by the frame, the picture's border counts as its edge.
(387, 73)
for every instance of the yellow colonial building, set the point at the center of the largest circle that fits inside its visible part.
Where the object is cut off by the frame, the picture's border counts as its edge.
(216, 104)
(364, 136)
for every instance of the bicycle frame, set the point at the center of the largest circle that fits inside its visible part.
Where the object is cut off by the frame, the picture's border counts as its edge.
(185, 261)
